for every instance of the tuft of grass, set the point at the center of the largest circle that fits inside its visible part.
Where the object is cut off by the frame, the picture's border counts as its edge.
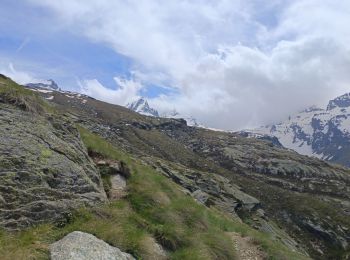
(96, 144)
(14, 94)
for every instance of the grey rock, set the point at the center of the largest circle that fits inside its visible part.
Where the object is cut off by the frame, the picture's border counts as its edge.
(45, 170)
(118, 187)
(200, 196)
(83, 246)
(329, 235)
(210, 189)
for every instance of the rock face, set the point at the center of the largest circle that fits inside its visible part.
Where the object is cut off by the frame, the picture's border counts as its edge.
(82, 246)
(210, 189)
(45, 170)
(118, 187)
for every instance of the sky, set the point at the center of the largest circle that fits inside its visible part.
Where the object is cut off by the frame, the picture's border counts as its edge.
(231, 64)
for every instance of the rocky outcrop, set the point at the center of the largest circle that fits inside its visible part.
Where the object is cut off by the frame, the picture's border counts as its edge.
(45, 170)
(114, 174)
(218, 191)
(210, 189)
(83, 246)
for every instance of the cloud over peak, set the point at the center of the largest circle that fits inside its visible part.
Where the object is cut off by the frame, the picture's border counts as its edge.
(233, 64)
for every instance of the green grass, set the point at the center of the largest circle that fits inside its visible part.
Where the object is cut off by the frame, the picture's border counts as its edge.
(98, 145)
(154, 208)
(173, 218)
(12, 93)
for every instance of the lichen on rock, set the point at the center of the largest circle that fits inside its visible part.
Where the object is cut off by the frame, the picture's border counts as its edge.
(45, 170)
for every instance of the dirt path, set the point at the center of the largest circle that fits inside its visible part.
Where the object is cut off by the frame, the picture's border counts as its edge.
(246, 249)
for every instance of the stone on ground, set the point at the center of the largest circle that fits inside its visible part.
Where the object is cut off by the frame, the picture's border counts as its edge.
(83, 246)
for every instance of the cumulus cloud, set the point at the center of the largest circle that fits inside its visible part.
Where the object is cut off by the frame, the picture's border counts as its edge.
(235, 64)
(127, 90)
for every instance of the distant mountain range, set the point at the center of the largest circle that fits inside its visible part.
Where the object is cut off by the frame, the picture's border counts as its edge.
(141, 106)
(53, 153)
(318, 132)
(323, 133)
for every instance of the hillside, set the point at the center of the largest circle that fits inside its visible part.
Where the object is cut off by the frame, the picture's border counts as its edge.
(209, 183)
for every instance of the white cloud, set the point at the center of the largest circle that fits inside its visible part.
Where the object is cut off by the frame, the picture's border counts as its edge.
(128, 90)
(21, 77)
(235, 63)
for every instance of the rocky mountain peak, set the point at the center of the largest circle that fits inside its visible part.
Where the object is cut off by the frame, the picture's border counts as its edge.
(141, 106)
(48, 84)
(341, 101)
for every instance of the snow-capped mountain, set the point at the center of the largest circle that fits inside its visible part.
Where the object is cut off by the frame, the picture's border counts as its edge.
(191, 121)
(141, 106)
(323, 133)
(49, 84)
(48, 90)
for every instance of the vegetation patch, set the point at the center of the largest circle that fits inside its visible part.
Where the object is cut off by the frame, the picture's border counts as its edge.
(46, 153)
(155, 208)
(12, 93)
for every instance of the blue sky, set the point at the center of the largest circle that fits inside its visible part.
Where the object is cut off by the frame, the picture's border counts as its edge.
(229, 63)
(26, 39)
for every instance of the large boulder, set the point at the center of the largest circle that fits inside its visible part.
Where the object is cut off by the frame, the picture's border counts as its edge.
(45, 170)
(83, 246)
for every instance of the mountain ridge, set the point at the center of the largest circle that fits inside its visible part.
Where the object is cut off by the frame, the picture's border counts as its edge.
(323, 133)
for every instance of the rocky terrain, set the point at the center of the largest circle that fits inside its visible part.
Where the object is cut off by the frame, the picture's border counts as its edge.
(300, 202)
(306, 197)
(322, 133)
(45, 169)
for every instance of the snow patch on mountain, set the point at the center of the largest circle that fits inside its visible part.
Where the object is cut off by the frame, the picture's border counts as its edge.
(322, 133)
(141, 106)
(49, 88)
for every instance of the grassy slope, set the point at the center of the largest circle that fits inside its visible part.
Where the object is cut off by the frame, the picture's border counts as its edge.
(155, 207)
(12, 93)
